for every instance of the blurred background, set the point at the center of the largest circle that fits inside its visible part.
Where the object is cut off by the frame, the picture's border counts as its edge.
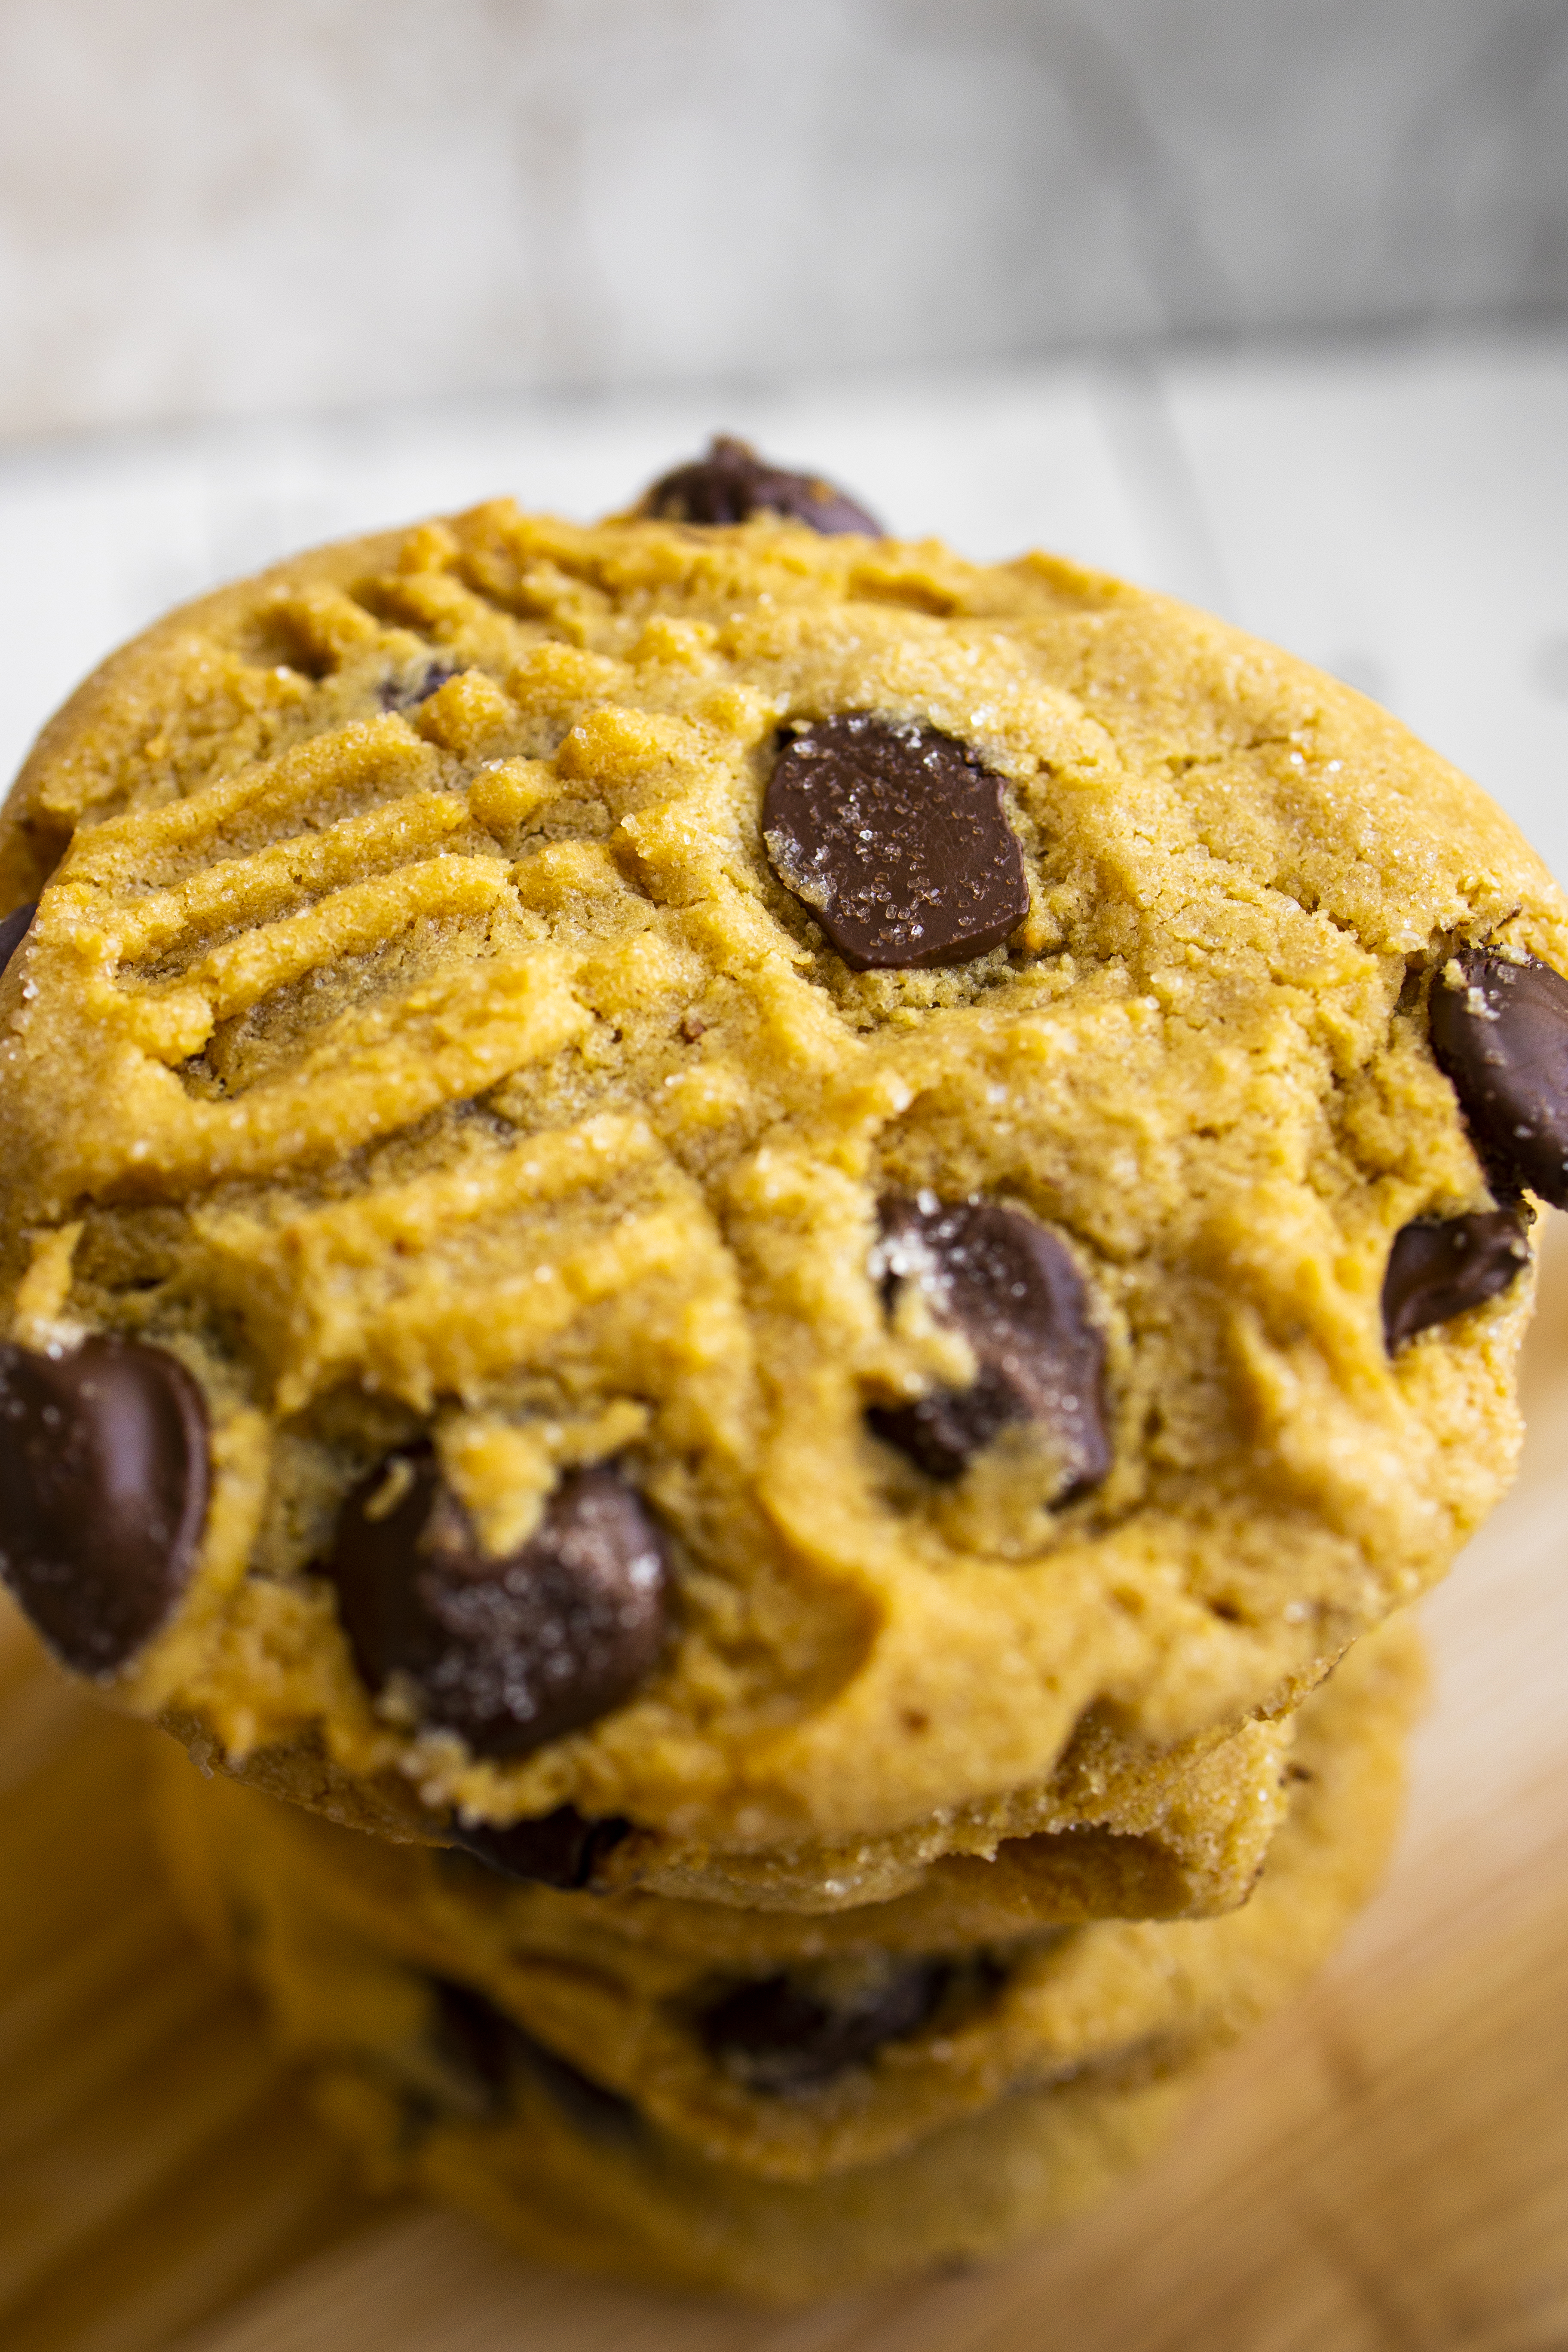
(1263, 301)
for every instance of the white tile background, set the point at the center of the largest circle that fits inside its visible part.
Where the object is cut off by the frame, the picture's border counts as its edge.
(1398, 516)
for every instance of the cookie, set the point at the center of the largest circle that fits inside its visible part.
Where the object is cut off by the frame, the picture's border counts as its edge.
(800, 1153)
(438, 2092)
(840, 2063)
(1115, 1833)
(1169, 1844)
(456, 2106)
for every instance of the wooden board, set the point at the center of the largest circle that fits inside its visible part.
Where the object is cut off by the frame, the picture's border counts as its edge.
(1385, 2167)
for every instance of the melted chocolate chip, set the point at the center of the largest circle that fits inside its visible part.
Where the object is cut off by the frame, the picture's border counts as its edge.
(560, 1848)
(780, 2035)
(1013, 1292)
(13, 930)
(733, 483)
(896, 839)
(1439, 1266)
(103, 1493)
(1502, 1040)
(508, 1653)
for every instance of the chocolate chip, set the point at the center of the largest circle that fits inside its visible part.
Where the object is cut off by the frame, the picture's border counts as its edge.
(559, 1849)
(508, 1652)
(103, 1493)
(731, 483)
(13, 930)
(397, 694)
(1502, 1040)
(1012, 1289)
(896, 839)
(782, 2035)
(1440, 1267)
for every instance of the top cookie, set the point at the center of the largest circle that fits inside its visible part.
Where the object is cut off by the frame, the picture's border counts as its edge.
(723, 1172)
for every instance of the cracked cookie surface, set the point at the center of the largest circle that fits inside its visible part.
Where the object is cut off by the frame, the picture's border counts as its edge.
(418, 1043)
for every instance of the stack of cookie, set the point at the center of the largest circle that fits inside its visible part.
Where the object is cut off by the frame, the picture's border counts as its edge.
(733, 1255)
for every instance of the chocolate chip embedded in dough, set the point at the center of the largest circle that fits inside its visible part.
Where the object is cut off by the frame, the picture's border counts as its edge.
(103, 1493)
(896, 839)
(782, 2035)
(14, 929)
(399, 694)
(1440, 1267)
(508, 1652)
(559, 1849)
(1012, 1289)
(1502, 1040)
(731, 483)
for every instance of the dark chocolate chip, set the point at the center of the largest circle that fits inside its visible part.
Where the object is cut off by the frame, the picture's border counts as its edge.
(398, 695)
(508, 1653)
(103, 1493)
(731, 483)
(1502, 1040)
(941, 1434)
(559, 1849)
(1439, 1266)
(1012, 1289)
(896, 839)
(13, 930)
(780, 2035)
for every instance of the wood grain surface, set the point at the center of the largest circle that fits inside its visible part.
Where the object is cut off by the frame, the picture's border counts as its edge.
(1384, 2169)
